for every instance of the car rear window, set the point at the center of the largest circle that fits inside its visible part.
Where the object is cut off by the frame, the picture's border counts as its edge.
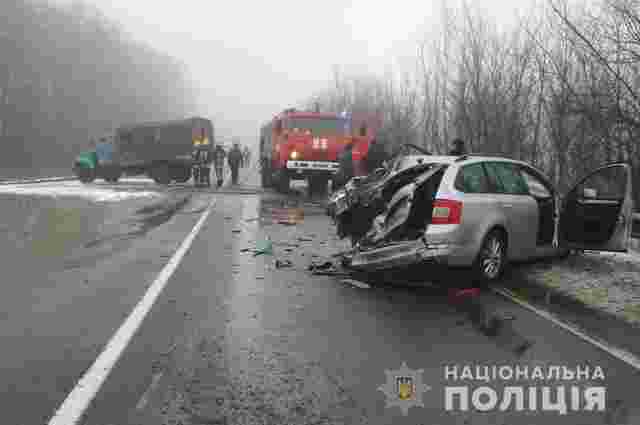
(472, 179)
(505, 178)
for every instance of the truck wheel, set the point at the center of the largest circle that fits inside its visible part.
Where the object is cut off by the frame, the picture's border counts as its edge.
(181, 174)
(86, 175)
(113, 176)
(160, 174)
(317, 185)
(283, 183)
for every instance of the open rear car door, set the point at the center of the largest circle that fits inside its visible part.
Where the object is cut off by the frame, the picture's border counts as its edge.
(597, 212)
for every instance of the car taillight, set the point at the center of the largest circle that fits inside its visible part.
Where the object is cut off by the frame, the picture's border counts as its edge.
(446, 211)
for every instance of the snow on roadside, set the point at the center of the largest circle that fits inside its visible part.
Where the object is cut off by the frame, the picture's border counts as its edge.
(606, 281)
(76, 189)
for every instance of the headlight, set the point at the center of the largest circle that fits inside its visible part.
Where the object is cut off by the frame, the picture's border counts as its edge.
(294, 155)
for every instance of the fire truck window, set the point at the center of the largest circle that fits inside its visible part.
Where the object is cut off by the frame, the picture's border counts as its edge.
(319, 126)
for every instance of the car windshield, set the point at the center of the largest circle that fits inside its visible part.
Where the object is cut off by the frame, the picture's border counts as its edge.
(318, 125)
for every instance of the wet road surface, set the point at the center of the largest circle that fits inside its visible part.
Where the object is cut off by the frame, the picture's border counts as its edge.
(239, 338)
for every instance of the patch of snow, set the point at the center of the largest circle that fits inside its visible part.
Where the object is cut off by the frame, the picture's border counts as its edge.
(76, 189)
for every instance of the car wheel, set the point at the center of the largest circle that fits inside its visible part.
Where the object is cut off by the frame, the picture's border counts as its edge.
(492, 258)
(160, 174)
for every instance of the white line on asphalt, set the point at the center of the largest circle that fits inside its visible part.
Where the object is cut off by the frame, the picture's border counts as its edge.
(616, 352)
(155, 380)
(78, 400)
(356, 283)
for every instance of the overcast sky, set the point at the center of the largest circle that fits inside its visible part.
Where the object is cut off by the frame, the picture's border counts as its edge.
(253, 58)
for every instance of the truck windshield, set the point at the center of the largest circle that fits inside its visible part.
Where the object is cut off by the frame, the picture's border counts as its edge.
(318, 125)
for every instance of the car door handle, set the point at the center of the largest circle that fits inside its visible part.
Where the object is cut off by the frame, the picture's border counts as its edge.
(507, 205)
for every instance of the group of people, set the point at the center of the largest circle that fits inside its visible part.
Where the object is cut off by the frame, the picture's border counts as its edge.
(203, 157)
(376, 158)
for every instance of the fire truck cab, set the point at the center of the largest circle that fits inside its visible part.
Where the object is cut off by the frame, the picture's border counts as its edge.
(297, 145)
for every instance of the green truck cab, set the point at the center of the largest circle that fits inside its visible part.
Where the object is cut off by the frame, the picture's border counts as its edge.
(160, 150)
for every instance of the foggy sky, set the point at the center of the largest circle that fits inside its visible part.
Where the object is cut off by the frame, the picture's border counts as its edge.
(253, 58)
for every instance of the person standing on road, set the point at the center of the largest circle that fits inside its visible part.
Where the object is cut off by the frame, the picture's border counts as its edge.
(205, 162)
(346, 170)
(218, 158)
(459, 147)
(246, 155)
(235, 159)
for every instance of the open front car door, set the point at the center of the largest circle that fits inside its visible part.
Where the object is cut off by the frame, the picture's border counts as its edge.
(597, 212)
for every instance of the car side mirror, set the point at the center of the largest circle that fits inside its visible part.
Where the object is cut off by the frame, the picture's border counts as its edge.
(589, 193)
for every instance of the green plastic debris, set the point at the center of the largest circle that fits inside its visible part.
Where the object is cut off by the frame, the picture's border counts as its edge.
(263, 247)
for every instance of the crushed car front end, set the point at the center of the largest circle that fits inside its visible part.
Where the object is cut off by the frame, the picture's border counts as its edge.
(403, 218)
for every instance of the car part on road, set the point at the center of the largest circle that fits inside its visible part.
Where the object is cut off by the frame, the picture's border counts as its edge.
(282, 264)
(263, 247)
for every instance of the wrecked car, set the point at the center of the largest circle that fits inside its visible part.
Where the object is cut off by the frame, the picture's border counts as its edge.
(479, 212)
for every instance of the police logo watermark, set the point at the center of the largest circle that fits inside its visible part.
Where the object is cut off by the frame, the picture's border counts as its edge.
(404, 388)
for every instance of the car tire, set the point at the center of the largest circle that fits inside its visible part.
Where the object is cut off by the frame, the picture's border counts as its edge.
(491, 261)
(161, 174)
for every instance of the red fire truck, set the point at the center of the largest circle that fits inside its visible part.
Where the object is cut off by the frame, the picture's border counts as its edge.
(299, 145)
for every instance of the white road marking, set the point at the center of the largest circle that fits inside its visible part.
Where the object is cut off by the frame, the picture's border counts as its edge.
(619, 353)
(78, 400)
(155, 380)
(356, 283)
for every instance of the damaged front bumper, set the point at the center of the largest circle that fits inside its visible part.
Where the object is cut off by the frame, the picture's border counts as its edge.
(399, 254)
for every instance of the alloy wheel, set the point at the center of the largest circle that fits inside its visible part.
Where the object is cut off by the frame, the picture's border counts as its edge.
(492, 257)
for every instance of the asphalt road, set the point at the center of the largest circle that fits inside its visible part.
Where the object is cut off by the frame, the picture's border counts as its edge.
(233, 339)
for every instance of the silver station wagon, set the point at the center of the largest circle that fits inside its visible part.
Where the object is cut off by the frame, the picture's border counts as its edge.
(479, 212)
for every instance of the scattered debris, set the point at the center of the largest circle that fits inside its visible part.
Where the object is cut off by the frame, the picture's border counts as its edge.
(287, 222)
(288, 249)
(356, 283)
(281, 264)
(457, 295)
(245, 250)
(170, 350)
(324, 266)
(326, 269)
(305, 239)
(263, 247)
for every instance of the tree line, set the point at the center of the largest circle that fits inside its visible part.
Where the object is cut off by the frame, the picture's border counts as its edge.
(559, 90)
(68, 73)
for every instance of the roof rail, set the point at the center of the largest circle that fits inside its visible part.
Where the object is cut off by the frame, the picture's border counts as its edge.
(471, 155)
